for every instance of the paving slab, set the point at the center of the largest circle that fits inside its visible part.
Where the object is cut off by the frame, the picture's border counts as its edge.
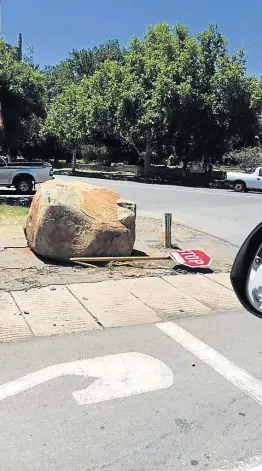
(165, 299)
(12, 324)
(53, 310)
(222, 279)
(18, 258)
(112, 304)
(213, 295)
(12, 236)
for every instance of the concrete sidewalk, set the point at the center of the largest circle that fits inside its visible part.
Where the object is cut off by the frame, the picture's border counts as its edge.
(71, 308)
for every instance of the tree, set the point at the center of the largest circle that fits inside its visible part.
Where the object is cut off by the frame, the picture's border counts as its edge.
(78, 65)
(220, 105)
(235, 100)
(129, 99)
(176, 91)
(56, 79)
(195, 127)
(167, 93)
(21, 97)
(66, 118)
(86, 62)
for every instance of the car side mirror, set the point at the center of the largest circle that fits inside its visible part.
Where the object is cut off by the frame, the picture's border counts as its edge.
(246, 273)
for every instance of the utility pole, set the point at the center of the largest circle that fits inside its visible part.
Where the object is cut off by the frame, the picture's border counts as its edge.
(20, 47)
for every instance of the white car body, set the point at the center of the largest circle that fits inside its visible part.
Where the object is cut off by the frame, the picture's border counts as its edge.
(245, 181)
(13, 173)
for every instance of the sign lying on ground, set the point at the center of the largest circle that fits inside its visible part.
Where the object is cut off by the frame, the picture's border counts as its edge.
(191, 258)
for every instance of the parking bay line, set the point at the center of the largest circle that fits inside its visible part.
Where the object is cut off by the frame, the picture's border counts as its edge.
(234, 374)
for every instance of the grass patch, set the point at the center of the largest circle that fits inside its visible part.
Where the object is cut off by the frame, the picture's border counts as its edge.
(12, 214)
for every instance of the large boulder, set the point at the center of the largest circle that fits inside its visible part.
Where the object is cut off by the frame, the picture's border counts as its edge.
(72, 219)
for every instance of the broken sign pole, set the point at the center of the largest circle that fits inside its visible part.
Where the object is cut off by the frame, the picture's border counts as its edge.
(87, 265)
(117, 259)
(166, 235)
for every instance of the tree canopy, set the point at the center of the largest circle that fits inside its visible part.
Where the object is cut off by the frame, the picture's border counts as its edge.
(167, 94)
(21, 98)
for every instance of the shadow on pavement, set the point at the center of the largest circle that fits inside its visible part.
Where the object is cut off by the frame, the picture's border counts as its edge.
(182, 269)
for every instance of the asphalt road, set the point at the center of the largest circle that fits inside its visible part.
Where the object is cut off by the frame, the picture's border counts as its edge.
(200, 408)
(222, 213)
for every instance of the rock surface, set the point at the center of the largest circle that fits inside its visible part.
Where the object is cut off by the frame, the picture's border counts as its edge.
(75, 219)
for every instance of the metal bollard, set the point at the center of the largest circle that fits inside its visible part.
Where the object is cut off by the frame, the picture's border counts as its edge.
(166, 235)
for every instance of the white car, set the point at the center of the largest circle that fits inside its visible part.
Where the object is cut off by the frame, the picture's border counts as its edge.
(24, 176)
(245, 181)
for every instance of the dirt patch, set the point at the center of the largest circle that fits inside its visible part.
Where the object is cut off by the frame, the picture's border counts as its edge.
(21, 269)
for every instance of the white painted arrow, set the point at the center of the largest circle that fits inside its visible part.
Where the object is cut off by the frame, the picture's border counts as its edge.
(120, 375)
(251, 464)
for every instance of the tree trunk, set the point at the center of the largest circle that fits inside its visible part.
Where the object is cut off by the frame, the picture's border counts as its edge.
(74, 160)
(147, 158)
(147, 164)
(13, 153)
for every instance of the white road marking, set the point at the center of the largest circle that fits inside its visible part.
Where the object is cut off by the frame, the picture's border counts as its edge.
(252, 464)
(118, 376)
(226, 368)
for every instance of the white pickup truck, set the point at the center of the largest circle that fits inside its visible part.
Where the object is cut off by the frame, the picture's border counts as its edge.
(24, 176)
(245, 181)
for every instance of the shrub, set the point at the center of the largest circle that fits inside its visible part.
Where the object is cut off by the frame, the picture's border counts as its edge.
(248, 158)
(92, 152)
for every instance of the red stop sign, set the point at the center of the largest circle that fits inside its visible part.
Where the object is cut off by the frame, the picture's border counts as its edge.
(191, 258)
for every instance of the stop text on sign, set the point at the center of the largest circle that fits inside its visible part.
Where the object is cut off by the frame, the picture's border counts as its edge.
(192, 258)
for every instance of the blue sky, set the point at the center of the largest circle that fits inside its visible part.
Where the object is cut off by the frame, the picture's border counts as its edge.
(54, 27)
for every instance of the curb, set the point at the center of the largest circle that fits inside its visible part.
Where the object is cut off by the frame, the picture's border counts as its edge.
(68, 309)
(153, 180)
(16, 200)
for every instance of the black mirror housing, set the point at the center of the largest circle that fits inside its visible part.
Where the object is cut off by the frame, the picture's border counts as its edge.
(241, 268)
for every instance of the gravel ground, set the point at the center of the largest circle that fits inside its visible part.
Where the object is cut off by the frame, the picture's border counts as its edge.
(21, 269)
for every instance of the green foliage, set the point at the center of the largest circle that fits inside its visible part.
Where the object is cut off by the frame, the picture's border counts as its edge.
(66, 116)
(21, 97)
(56, 79)
(169, 93)
(84, 63)
(248, 159)
(78, 65)
(92, 152)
